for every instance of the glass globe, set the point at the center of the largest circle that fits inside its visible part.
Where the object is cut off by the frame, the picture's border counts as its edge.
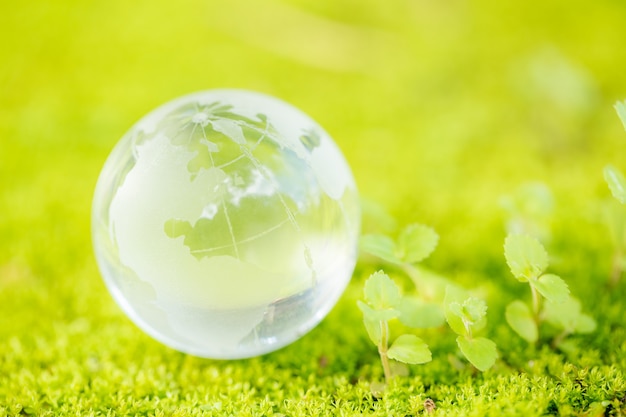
(225, 224)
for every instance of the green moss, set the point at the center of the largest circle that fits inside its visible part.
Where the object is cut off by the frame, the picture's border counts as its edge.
(440, 107)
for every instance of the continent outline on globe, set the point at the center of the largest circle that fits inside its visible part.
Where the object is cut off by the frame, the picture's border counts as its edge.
(264, 204)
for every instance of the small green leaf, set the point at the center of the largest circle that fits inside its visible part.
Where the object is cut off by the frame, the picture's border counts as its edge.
(455, 296)
(586, 324)
(373, 330)
(377, 315)
(620, 107)
(398, 369)
(562, 315)
(552, 287)
(568, 316)
(521, 321)
(381, 293)
(525, 256)
(476, 308)
(456, 309)
(417, 314)
(617, 183)
(480, 351)
(416, 242)
(473, 313)
(472, 310)
(411, 349)
(380, 246)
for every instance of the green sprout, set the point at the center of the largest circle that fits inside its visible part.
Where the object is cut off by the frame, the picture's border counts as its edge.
(467, 316)
(551, 300)
(412, 245)
(528, 260)
(383, 303)
(617, 215)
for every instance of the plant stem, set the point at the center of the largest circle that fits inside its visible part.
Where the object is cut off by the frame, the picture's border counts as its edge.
(413, 273)
(468, 329)
(382, 349)
(536, 304)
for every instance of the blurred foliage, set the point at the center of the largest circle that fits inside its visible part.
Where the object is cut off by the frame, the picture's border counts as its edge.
(441, 108)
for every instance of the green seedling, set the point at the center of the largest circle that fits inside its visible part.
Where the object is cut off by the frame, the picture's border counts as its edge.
(528, 260)
(617, 215)
(411, 246)
(551, 300)
(383, 303)
(467, 316)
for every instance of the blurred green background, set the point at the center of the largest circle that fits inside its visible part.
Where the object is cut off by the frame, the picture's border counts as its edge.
(440, 107)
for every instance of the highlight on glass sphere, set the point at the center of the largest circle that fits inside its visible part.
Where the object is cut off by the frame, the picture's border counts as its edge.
(225, 224)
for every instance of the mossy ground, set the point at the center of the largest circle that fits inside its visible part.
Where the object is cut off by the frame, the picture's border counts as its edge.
(440, 107)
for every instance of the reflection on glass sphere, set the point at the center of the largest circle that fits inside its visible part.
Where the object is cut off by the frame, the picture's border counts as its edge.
(225, 223)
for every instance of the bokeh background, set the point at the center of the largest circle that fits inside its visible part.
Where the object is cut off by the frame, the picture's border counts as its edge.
(441, 107)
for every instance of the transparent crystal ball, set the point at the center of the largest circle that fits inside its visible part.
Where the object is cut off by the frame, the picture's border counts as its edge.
(225, 224)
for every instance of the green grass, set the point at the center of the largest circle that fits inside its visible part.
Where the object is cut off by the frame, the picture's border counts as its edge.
(440, 107)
